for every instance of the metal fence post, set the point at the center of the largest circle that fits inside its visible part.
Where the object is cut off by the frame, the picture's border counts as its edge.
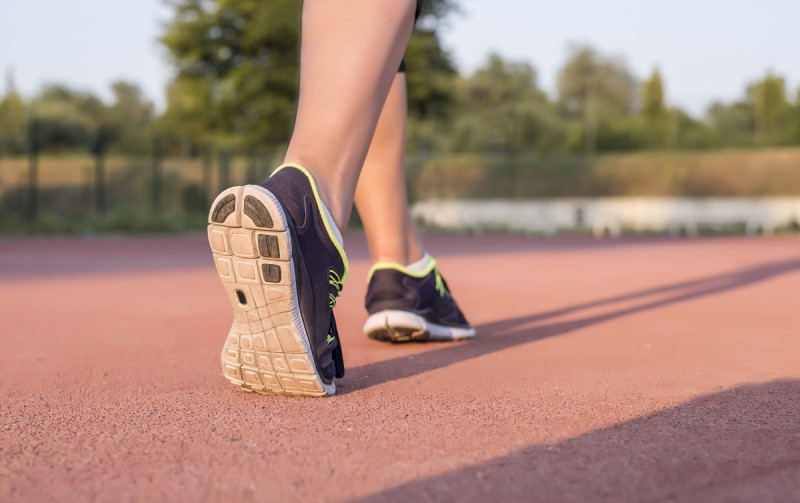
(252, 166)
(33, 169)
(98, 149)
(206, 182)
(156, 188)
(224, 170)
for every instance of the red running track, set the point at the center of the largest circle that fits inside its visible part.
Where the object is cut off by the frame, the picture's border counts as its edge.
(632, 370)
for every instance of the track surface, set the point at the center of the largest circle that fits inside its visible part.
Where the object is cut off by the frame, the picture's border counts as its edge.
(635, 370)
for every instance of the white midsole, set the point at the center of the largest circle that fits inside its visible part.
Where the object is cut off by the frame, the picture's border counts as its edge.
(393, 319)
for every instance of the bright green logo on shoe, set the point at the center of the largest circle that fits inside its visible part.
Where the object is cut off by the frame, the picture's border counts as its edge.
(330, 339)
(440, 286)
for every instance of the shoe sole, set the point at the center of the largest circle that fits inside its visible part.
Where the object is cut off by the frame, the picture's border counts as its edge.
(267, 349)
(402, 326)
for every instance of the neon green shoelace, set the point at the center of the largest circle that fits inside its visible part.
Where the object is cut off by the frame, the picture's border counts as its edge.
(336, 281)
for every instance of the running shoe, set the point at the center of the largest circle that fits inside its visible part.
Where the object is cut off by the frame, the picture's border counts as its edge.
(406, 306)
(282, 264)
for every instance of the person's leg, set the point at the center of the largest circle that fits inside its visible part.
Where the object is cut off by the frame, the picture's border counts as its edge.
(381, 193)
(351, 50)
(278, 255)
(407, 298)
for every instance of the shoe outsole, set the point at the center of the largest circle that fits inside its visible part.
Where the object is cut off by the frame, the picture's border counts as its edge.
(402, 326)
(267, 349)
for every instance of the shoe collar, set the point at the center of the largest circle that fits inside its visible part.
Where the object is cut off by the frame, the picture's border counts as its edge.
(328, 229)
(401, 268)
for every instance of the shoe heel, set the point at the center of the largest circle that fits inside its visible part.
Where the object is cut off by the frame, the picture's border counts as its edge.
(252, 252)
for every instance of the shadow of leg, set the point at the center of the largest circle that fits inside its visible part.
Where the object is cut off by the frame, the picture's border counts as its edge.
(738, 445)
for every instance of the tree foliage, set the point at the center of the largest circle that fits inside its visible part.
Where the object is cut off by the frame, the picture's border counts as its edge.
(770, 108)
(237, 60)
(654, 110)
(236, 81)
(13, 119)
(126, 119)
(502, 109)
(589, 75)
(600, 91)
(65, 119)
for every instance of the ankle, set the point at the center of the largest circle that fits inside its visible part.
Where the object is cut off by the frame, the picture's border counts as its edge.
(338, 212)
(402, 258)
(420, 265)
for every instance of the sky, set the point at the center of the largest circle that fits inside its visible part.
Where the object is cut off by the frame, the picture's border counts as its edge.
(706, 50)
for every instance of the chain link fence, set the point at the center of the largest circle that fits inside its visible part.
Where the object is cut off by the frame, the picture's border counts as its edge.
(97, 192)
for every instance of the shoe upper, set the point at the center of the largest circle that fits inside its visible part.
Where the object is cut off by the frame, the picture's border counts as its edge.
(392, 287)
(319, 262)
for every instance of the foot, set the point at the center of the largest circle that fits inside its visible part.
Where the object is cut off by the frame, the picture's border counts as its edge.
(412, 306)
(282, 264)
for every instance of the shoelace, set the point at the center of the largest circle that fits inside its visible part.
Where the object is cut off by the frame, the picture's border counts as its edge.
(333, 332)
(336, 281)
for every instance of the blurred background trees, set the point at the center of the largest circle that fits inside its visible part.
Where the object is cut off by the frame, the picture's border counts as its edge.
(503, 110)
(236, 67)
(13, 120)
(119, 162)
(70, 120)
(654, 112)
(235, 86)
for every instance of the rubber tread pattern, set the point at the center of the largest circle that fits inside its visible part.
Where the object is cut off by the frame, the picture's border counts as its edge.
(264, 351)
(257, 212)
(268, 246)
(224, 208)
(271, 273)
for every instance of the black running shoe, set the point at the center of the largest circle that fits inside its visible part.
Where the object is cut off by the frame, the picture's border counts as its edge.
(282, 268)
(406, 306)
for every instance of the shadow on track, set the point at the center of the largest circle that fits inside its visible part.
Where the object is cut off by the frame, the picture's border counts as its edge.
(505, 334)
(470, 245)
(737, 445)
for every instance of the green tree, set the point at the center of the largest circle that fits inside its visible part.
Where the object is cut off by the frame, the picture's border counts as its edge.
(434, 11)
(601, 92)
(128, 118)
(238, 60)
(67, 119)
(687, 132)
(431, 75)
(733, 124)
(793, 121)
(503, 110)
(13, 118)
(768, 100)
(588, 75)
(654, 111)
(182, 124)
